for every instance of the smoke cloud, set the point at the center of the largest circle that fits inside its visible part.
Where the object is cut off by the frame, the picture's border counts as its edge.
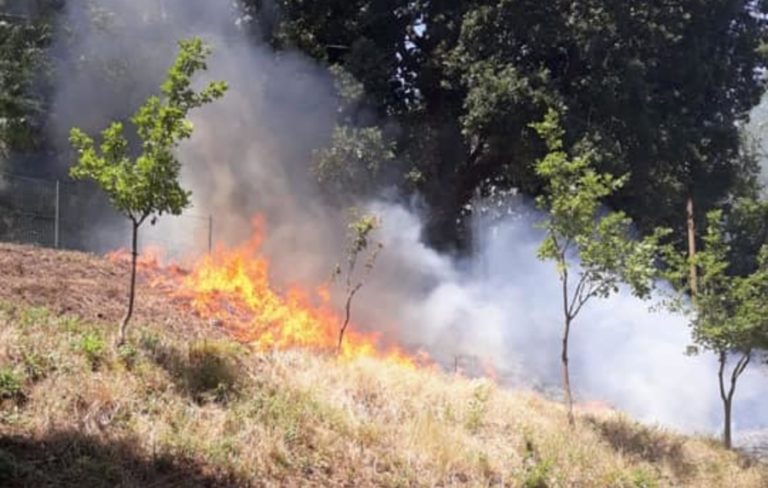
(250, 155)
(503, 304)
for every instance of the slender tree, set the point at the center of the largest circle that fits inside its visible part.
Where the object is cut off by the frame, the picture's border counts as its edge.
(147, 185)
(359, 242)
(727, 306)
(592, 249)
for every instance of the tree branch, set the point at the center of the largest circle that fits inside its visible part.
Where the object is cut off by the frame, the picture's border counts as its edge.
(722, 359)
(576, 298)
(584, 298)
(564, 280)
(740, 367)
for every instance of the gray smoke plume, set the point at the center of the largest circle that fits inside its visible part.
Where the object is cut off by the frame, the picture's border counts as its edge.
(250, 155)
(503, 305)
(757, 133)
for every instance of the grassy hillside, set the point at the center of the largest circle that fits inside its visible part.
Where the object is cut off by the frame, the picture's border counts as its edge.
(184, 406)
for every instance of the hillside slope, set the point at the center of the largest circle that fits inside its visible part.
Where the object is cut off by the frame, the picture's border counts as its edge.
(185, 406)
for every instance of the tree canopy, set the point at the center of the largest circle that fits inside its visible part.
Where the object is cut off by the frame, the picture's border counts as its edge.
(25, 34)
(657, 89)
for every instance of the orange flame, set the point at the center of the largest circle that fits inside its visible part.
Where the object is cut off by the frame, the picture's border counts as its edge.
(232, 288)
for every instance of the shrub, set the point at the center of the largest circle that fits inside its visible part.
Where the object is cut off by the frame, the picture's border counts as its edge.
(537, 475)
(213, 371)
(93, 346)
(477, 407)
(641, 478)
(10, 384)
(36, 365)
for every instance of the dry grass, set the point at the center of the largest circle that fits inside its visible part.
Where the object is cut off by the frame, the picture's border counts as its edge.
(173, 412)
(181, 410)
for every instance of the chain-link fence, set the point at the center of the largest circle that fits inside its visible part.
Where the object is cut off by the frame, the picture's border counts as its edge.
(68, 215)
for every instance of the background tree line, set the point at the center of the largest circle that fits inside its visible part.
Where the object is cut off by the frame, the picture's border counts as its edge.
(437, 97)
(658, 89)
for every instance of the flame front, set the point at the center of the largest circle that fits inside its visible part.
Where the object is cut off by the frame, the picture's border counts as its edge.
(232, 288)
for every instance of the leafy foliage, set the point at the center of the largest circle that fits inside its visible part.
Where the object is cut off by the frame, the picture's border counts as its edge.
(353, 161)
(577, 226)
(93, 347)
(22, 56)
(149, 183)
(10, 384)
(728, 311)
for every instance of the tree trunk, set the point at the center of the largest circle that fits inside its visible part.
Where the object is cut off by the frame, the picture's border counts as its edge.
(347, 315)
(727, 422)
(121, 336)
(565, 372)
(727, 397)
(692, 247)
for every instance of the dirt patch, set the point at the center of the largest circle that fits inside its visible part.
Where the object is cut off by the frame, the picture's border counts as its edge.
(89, 286)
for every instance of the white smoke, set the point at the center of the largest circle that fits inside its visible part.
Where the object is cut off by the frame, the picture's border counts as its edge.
(504, 305)
(757, 131)
(250, 154)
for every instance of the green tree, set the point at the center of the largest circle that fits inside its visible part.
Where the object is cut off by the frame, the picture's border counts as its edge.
(25, 33)
(592, 249)
(147, 185)
(358, 244)
(728, 308)
(357, 156)
(352, 162)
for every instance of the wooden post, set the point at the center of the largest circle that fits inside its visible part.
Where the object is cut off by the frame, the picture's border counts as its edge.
(56, 224)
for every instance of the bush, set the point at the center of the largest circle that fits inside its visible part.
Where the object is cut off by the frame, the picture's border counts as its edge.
(641, 478)
(537, 471)
(213, 371)
(10, 384)
(537, 475)
(477, 407)
(93, 346)
(36, 365)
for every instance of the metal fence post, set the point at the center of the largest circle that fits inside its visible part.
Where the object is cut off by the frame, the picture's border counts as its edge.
(210, 233)
(56, 217)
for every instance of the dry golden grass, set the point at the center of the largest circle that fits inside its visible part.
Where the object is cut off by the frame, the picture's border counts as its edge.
(170, 411)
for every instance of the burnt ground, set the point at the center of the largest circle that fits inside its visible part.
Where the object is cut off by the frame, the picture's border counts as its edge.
(88, 286)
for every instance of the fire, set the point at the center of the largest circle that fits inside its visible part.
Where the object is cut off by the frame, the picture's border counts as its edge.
(231, 287)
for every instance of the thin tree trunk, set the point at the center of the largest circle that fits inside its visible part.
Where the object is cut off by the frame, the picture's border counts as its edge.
(723, 357)
(121, 336)
(564, 352)
(727, 397)
(727, 422)
(692, 247)
(565, 371)
(347, 316)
